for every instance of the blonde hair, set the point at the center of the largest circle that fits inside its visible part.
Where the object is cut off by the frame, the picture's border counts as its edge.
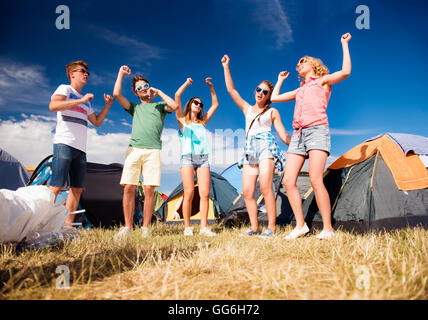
(69, 67)
(318, 66)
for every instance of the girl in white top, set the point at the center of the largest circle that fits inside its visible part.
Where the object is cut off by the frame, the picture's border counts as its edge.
(260, 149)
(195, 150)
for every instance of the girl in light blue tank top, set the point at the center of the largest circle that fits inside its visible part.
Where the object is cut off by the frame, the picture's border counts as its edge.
(195, 149)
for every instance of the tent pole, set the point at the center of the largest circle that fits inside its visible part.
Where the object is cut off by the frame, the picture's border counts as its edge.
(341, 189)
(371, 189)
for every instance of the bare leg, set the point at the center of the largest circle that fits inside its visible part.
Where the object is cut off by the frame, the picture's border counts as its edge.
(317, 161)
(72, 202)
(266, 167)
(249, 180)
(128, 203)
(203, 175)
(149, 204)
(56, 191)
(293, 165)
(187, 176)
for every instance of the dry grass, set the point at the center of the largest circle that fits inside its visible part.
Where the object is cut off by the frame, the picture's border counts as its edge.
(170, 266)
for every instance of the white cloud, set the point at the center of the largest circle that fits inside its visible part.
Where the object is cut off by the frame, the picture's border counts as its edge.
(271, 16)
(342, 132)
(30, 140)
(227, 147)
(142, 52)
(22, 84)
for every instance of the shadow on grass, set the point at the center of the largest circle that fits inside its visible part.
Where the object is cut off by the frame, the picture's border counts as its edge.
(85, 269)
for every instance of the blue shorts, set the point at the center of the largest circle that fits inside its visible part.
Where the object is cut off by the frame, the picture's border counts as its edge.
(310, 138)
(68, 161)
(261, 148)
(194, 160)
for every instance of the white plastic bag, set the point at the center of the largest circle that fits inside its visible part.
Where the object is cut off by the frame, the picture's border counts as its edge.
(28, 210)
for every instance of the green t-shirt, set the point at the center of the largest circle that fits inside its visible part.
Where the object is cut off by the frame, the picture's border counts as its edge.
(147, 124)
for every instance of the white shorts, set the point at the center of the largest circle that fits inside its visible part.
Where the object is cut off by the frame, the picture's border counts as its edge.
(146, 161)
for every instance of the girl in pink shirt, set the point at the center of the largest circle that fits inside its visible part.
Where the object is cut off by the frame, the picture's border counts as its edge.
(311, 136)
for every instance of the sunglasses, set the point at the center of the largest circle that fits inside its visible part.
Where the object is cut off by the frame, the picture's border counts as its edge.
(82, 71)
(197, 103)
(139, 88)
(265, 92)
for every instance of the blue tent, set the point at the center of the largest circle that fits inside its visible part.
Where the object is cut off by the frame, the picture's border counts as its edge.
(12, 173)
(234, 175)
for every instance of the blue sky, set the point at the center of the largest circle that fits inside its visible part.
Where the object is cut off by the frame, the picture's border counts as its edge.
(168, 41)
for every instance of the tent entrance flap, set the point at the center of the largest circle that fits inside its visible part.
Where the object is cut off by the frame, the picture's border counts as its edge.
(175, 208)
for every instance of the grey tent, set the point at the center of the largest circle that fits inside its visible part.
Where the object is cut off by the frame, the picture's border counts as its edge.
(238, 214)
(378, 185)
(12, 173)
(221, 196)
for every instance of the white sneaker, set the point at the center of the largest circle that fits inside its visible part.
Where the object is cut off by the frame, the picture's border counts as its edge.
(145, 232)
(123, 234)
(207, 232)
(188, 231)
(325, 234)
(297, 232)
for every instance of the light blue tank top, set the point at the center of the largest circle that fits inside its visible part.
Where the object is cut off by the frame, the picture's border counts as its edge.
(194, 140)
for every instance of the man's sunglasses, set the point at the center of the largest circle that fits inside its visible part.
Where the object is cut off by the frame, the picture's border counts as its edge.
(265, 92)
(82, 71)
(197, 103)
(139, 88)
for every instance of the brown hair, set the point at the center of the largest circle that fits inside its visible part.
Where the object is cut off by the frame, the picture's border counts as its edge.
(199, 116)
(71, 65)
(136, 79)
(268, 101)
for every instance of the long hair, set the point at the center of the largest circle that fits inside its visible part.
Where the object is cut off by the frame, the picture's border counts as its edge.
(319, 68)
(199, 116)
(268, 101)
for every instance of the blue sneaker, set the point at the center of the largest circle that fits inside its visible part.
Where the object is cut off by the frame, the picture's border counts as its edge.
(268, 233)
(249, 232)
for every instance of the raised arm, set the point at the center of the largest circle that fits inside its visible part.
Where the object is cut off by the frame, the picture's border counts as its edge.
(97, 119)
(341, 75)
(279, 127)
(117, 91)
(241, 103)
(179, 114)
(59, 102)
(287, 96)
(214, 101)
(171, 105)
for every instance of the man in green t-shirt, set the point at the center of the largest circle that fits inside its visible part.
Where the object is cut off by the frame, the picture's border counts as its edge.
(144, 151)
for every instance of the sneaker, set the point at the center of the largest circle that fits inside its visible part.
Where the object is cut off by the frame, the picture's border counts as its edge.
(188, 231)
(325, 234)
(268, 233)
(145, 232)
(123, 233)
(250, 232)
(296, 233)
(207, 232)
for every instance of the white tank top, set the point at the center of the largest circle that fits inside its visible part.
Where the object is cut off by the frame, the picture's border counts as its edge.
(261, 124)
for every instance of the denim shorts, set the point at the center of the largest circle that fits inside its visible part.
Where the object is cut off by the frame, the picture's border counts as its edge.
(194, 160)
(310, 138)
(68, 162)
(261, 152)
